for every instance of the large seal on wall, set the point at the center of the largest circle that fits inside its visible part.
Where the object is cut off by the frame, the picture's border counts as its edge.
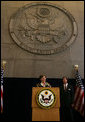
(43, 28)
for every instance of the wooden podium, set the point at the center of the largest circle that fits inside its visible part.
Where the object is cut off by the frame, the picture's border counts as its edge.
(41, 114)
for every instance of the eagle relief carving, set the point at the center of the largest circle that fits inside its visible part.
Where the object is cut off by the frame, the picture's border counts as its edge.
(43, 28)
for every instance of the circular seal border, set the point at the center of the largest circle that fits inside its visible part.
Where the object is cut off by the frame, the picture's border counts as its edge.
(42, 105)
(38, 51)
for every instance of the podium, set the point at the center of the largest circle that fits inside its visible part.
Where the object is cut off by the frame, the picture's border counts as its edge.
(42, 114)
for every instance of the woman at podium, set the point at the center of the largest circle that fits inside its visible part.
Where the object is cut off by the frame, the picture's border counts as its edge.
(43, 82)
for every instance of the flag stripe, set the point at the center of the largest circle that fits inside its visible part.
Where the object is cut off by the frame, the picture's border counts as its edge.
(76, 93)
(82, 104)
(80, 101)
(2, 89)
(77, 96)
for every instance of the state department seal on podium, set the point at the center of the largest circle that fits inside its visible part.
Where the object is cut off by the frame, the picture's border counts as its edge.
(46, 98)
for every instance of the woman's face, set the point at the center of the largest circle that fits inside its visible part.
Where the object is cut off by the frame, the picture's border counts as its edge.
(43, 79)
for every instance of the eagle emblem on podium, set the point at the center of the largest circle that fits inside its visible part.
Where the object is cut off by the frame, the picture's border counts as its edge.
(46, 98)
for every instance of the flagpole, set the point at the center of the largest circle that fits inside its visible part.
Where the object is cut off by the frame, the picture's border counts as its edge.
(3, 69)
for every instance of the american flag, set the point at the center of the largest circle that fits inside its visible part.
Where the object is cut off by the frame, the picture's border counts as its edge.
(2, 71)
(79, 95)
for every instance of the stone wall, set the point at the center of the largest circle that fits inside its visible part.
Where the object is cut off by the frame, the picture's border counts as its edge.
(21, 63)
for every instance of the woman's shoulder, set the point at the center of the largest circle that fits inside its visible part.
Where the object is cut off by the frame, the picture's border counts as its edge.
(38, 84)
(48, 84)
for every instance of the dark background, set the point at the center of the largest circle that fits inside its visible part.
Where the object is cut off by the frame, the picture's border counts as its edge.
(18, 97)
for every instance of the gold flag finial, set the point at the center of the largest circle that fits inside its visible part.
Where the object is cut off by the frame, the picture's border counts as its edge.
(76, 67)
(3, 64)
